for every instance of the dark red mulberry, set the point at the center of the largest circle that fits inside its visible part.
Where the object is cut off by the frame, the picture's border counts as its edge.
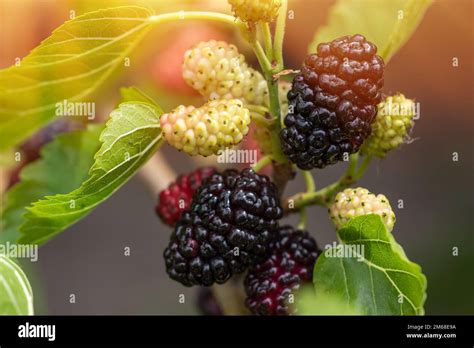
(178, 196)
(270, 283)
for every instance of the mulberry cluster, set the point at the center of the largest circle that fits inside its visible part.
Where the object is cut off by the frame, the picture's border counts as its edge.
(333, 102)
(353, 202)
(231, 222)
(392, 125)
(217, 70)
(270, 283)
(206, 130)
(255, 10)
(179, 194)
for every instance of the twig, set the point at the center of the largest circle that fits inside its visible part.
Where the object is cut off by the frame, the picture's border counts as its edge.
(231, 296)
(157, 174)
(279, 35)
(324, 196)
(282, 173)
(264, 161)
(267, 36)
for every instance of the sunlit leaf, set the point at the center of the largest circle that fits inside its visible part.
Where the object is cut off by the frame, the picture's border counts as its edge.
(68, 66)
(387, 23)
(133, 94)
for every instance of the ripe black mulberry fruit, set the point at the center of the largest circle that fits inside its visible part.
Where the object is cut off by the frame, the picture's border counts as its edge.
(270, 283)
(333, 102)
(232, 220)
(179, 194)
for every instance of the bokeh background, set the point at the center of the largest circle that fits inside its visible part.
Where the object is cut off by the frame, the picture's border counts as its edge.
(88, 259)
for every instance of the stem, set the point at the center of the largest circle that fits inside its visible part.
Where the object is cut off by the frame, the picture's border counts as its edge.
(260, 53)
(231, 296)
(157, 174)
(264, 161)
(257, 108)
(267, 39)
(261, 120)
(274, 104)
(324, 196)
(308, 178)
(310, 187)
(364, 165)
(303, 219)
(353, 160)
(182, 15)
(279, 35)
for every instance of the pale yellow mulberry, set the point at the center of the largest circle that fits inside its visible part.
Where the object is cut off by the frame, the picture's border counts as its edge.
(354, 202)
(217, 70)
(255, 10)
(215, 126)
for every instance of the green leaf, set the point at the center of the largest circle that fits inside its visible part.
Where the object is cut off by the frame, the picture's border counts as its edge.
(16, 296)
(387, 23)
(311, 303)
(377, 278)
(69, 65)
(131, 137)
(71, 153)
(133, 94)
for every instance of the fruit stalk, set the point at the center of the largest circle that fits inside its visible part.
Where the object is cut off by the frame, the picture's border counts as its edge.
(267, 36)
(148, 174)
(204, 15)
(279, 35)
(324, 196)
(231, 297)
(264, 161)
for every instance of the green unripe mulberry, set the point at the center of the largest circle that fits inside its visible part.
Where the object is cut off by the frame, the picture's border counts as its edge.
(255, 10)
(392, 125)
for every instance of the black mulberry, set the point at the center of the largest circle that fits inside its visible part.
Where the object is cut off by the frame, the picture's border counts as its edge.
(231, 222)
(333, 102)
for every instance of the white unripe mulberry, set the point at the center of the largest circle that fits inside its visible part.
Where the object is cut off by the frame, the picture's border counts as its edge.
(354, 202)
(217, 70)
